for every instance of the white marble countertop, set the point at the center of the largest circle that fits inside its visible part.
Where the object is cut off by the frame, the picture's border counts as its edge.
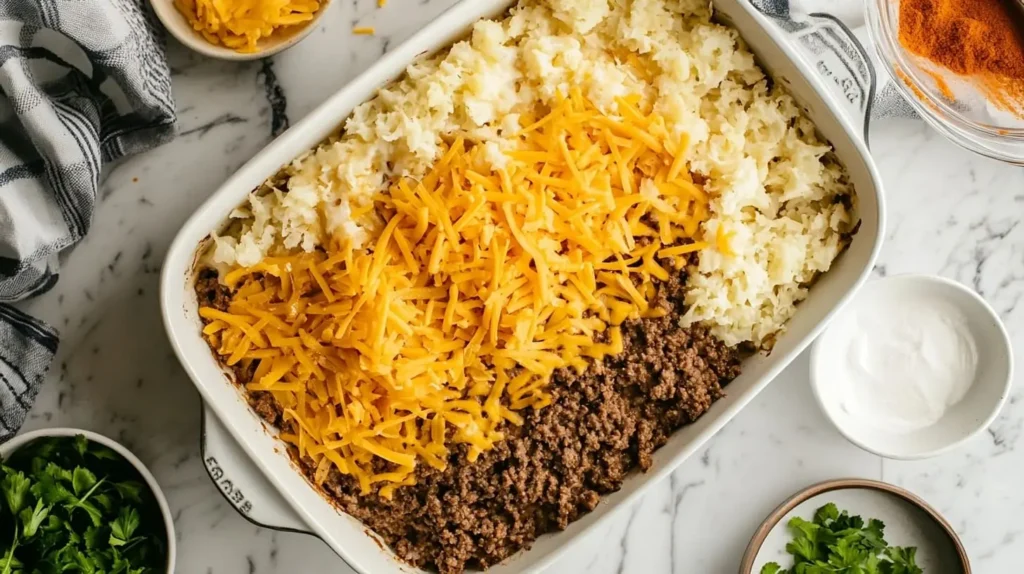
(950, 213)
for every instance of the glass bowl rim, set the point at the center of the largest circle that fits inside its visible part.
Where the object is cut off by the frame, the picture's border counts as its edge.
(904, 75)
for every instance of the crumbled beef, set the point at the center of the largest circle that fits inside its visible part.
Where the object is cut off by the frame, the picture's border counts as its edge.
(210, 291)
(554, 468)
(263, 404)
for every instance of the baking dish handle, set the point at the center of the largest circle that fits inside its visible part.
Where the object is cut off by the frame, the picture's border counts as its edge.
(833, 52)
(241, 483)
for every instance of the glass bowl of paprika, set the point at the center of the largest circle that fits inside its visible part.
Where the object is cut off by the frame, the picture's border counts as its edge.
(960, 65)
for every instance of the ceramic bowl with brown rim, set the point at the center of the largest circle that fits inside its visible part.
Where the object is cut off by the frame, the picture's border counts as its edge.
(167, 524)
(909, 521)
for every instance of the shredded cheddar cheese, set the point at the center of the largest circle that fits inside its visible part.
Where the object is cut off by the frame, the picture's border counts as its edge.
(240, 24)
(364, 30)
(481, 284)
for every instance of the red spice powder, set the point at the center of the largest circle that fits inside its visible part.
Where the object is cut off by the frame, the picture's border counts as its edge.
(941, 85)
(980, 39)
(913, 88)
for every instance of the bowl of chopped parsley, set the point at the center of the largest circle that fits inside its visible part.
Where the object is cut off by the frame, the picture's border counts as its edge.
(855, 526)
(76, 501)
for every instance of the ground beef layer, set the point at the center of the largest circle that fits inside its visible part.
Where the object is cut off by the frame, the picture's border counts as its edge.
(552, 469)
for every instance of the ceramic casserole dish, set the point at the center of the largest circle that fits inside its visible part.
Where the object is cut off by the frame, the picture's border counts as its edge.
(819, 62)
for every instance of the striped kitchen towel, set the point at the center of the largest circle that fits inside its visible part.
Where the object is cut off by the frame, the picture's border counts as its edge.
(81, 83)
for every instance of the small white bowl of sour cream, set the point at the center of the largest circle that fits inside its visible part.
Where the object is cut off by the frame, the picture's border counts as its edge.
(912, 367)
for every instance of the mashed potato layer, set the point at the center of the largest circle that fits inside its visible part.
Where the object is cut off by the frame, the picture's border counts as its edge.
(780, 202)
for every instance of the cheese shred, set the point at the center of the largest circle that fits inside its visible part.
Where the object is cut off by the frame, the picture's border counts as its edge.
(481, 284)
(241, 24)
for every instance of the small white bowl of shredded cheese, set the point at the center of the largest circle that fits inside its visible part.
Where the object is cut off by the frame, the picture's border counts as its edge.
(239, 30)
(914, 366)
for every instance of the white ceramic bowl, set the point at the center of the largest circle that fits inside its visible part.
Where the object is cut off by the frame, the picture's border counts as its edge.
(21, 440)
(281, 40)
(970, 416)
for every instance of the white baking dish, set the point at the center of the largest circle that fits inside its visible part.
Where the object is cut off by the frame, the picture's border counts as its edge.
(822, 66)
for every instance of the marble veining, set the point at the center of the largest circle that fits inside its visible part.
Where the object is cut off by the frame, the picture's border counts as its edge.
(950, 213)
(274, 93)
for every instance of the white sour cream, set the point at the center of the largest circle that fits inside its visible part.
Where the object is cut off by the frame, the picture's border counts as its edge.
(902, 363)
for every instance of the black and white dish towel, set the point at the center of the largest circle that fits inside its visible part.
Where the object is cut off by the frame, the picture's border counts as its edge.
(82, 82)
